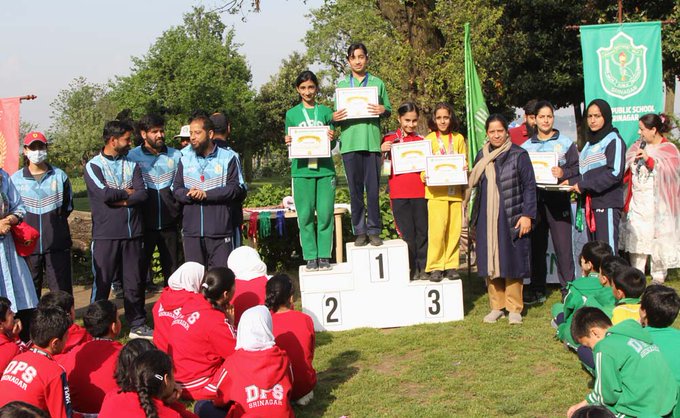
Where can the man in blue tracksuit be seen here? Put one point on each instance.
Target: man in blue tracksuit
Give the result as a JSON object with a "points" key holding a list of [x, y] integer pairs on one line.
{"points": [[207, 182], [116, 191], [161, 212]]}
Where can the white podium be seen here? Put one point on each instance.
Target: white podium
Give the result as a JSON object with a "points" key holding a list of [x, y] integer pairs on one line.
{"points": [[372, 289]]}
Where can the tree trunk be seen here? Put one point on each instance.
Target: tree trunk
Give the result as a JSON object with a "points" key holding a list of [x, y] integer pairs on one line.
{"points": [[669, 107], [580, 126]]}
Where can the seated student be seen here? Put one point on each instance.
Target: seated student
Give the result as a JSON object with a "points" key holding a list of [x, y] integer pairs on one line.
{"points": [[183, 285], [627, 286], [581, 289], [659, 307], [76, 334], [610, 267], [90, 367], [256, 380], [201, 340], [593, 411], [152, 384], [631, 376], [10, 344], [18, 409], [251, 279], [34, 376], [294, 333]]}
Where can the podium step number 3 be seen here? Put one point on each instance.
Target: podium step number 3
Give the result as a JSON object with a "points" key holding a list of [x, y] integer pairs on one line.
{"points": [[373, 290]]}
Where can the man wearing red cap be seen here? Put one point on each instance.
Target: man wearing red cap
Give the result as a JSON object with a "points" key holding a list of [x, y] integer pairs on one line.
{"points": [[46, 193]]}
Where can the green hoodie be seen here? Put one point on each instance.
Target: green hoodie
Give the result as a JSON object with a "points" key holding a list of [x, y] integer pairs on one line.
{"points": [[632, 377]]}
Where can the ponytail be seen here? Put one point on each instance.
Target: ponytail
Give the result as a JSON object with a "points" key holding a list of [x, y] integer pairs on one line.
{"points": [[216, 281], [149, 370], [279, 291]]}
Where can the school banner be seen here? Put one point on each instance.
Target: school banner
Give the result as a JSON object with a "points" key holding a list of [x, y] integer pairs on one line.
{"points": [[9, 134], [622, 65]]}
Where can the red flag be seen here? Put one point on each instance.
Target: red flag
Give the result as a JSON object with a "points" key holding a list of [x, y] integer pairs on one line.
{"points": [[9, 134]]}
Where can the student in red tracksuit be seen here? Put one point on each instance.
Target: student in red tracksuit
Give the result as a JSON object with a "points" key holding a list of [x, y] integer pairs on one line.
{"points": [[203, 338], [10, 344], [257, 378], [90, 367], [407, 194], [183, 285], [294, 333], [251, 279], [76, 334], [34, 377], [152, 385]]}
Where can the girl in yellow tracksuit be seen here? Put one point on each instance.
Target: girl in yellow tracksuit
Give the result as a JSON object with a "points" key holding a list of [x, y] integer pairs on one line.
{"points": [[444, 203]]}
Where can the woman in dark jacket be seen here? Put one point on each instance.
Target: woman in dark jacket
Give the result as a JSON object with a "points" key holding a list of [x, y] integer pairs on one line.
{"points": [[504, 208]]}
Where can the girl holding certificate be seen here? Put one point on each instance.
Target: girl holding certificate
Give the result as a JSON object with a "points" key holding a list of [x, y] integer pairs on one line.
{"points": [[313, 178], [407, 195], [444, 202]]}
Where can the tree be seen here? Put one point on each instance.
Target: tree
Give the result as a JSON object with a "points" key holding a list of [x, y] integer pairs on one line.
{"points": [[79, 113]]}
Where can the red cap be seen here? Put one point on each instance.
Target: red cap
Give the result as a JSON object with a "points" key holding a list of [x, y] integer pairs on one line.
{"points": [[31, 137]]}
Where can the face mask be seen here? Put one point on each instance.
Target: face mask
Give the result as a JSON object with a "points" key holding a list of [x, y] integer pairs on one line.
{"points": [[36, 157]]}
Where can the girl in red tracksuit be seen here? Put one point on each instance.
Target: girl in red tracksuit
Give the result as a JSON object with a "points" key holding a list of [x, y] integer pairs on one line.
{"points": [[183, 285], [407, 194], [294, 333], [256, 380], [251, 279], [203, 338]]}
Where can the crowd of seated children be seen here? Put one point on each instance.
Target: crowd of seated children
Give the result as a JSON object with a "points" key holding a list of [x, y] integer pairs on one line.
{"points": [[76, 334], [251, 279], [659, 308]]}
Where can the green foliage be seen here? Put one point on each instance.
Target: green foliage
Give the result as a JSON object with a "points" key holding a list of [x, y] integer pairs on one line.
{"points": [[79, 113], [389, 229]]}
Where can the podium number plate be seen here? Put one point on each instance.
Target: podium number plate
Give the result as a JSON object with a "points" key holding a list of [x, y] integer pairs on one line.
{"points": [[434, 304], [331, 309], [380, 267]]}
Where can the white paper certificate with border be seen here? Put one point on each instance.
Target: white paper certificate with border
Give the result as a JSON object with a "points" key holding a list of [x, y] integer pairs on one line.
{"points": [[543, 162], [356, 101], [409, 157], [445, 170], [309, 142]]}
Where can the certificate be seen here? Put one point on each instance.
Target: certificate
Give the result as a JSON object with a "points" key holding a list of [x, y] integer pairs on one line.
{"points": [[445, 170], [543, 162], [309, 142], [356, 101], [409, 157]]}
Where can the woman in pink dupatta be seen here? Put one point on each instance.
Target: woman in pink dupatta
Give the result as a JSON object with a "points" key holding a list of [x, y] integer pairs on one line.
{"points": [[651, 221]]}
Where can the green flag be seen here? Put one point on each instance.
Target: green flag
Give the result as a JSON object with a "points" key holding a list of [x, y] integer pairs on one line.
{"points": [[476, 110]]}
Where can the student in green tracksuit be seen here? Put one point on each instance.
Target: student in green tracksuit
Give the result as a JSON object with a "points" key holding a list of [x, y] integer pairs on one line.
{"points": [[632, 377], [659, 308], [360, 141], [313, 178]]}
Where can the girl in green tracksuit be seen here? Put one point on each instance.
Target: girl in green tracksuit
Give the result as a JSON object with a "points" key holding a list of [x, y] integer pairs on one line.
{"points": [[313, 178]]}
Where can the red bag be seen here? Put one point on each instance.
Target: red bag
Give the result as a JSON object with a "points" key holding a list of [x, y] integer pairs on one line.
{"points": [[25, 238]]}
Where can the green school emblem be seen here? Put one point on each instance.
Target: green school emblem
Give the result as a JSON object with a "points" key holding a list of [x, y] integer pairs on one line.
{"points": [[623, 66]]}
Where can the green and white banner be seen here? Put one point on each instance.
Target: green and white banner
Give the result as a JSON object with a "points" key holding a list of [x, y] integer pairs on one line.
{"points": [[622, 65]]}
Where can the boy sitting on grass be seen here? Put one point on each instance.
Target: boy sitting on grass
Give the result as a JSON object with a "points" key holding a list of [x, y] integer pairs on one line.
{"points": [[659, 307], [627, 287], [10, 344], [76, 334], [610, 267], [632, 378], [582, 289]]}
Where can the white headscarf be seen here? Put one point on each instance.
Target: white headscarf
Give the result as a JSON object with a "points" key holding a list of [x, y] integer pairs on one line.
{"points": [[255, 330], [187, 277], [246, 263]]}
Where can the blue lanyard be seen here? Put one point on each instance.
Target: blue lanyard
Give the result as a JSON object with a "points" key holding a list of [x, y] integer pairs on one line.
{"points": [[364, 82]]}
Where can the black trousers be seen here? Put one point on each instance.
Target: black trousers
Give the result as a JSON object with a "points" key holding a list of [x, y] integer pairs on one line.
{"points": [[607, 227], [167, 241], [554, 217], [122, 259], [210, 252], [55, 266], [410, 215], [362, 169]]}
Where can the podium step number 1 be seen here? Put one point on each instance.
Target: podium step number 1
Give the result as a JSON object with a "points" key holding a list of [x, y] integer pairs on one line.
{"points": [[372, 289]]}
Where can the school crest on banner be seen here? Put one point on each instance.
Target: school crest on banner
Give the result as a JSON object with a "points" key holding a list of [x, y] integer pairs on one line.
{"points": [[623, 66]]}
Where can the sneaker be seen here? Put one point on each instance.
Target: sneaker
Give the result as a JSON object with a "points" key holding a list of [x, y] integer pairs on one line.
{"points": [[514, 318], [361, 240], [312, 265], [141, 332], [118, 292], [325, 264], [493, 316], [153, 288], [305, 400], [436, 276], [375, 240], [423, 275], [451, 274], [533, 297]]}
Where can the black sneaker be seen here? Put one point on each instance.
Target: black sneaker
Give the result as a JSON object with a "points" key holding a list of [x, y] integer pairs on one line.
{"points": [[436, 276], [312, 265], [451, 274], [324, 264], [423, 275], [533, 297], [118, 292], [143, 331], [361, 240], [375, 240], [153, 288]]}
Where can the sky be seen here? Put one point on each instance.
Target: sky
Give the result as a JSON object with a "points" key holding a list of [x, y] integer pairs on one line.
{"points": [[54, 42]]}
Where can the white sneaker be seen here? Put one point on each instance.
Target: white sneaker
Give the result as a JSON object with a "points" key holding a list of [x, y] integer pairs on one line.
{"points": [[141, 332], [305, 399], [514, 318], [493, 316]]}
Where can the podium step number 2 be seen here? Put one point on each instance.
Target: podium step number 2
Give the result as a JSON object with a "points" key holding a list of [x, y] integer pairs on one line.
{"points": [[372, 289]]}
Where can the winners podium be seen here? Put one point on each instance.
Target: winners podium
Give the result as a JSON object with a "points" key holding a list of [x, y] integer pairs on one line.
{"points": [[372, 289]]}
